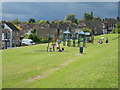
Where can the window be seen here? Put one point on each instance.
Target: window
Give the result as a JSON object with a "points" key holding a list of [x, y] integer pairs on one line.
{"points": [[17, 33], [5, 35], [31, 41]]}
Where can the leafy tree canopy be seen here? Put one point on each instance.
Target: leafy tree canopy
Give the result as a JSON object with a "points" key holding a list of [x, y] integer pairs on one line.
{"points": [[16, 21], [31, 20], [70, 17], [86, 30], [117, 28], [88, 16]]}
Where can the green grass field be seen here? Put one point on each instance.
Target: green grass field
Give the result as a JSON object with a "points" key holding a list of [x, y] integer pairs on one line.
{"points": [[27, 67]]}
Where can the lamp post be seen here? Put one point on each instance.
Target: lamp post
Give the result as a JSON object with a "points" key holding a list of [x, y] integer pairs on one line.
{"points": [[81, 38]]}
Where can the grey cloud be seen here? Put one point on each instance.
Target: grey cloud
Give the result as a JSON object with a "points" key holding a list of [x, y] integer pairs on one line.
{"points": [[55, 10]]}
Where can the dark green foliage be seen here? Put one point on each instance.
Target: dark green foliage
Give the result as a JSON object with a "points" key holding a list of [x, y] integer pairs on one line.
{"points": [[44, 40], [91, 14], [25, 36], [16, 21], [118, 25], [34, 31], [76, 21], [88, 16], [70, 17], [86, 30], [33, 37], [31, 20], [116, 29], [48, 22]]}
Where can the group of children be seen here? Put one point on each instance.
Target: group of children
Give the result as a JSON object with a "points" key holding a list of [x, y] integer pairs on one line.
{"points": [[101, 40], [56, 48]]}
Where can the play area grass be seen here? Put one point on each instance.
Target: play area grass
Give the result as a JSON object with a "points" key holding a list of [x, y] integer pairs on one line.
{"points": [[33, 67]]}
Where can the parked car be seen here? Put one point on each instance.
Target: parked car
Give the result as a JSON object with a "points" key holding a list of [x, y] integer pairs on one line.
{"points": [[27, 42]]}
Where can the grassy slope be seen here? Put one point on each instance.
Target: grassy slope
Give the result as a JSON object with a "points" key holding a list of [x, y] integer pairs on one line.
{"points": [[96, 68]]}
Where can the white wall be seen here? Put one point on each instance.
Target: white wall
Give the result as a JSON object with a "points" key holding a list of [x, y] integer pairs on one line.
{"points": [[6, 27]]}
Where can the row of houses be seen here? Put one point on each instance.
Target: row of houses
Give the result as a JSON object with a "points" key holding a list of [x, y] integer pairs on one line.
{"points": [[11, 35]]}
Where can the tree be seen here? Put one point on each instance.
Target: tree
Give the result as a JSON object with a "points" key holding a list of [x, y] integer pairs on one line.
{"points": [[118, 25], [70, 17], [48, 22], [34, 31], [87, 30], [56, 22], [16, 21], [91, 14], [76, 21], [33, 37], [88, 16], [31, 20], [117, 28]]}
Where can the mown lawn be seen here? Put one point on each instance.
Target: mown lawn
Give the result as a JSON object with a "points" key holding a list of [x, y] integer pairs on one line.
{"points": [[96, 68]]}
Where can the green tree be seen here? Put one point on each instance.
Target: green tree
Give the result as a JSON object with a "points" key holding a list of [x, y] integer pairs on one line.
{"points": [[117, 28], [48, 22], [88, 16], [16, 21], [31, 20], [87, 30], [91, 14], [56, 22], [118, 25], [33, 37], [70, 17], [34, 31]]}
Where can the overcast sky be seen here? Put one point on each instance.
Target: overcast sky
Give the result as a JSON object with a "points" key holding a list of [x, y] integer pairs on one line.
{"points": [[59, 0], [56, 10]]}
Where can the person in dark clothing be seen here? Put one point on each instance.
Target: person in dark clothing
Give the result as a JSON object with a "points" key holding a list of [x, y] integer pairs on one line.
{"points": [[106, 40], [62, 49]]}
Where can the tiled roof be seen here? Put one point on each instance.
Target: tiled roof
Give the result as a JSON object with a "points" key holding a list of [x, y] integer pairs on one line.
{"points": [[12, 27]]}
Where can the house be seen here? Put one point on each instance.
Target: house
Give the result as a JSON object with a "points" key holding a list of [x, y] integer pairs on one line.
{"points": [[6, 42], [10, 35], [25, 29], [95, 25], [0, 35], [98, 25], [109, 24]]}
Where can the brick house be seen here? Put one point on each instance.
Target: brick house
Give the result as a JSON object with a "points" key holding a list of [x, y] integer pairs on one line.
{"points": [[95, 25], [109, 24]]}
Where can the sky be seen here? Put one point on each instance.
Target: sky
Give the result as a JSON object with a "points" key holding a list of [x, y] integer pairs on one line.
{"points": [[56, 10]]}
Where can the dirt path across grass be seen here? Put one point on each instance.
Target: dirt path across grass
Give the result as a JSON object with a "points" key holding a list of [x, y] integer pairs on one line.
{"points": [[47, 73]]}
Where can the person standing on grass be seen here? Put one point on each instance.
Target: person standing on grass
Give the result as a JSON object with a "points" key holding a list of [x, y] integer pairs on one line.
{"points": [[59, 50], [51, 49], [106, 40], [54, 47], [62, 49], [100, 41]]}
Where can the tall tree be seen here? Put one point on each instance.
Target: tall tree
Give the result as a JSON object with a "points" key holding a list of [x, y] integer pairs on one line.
{"points": [[31, 20], [117, 28], [88, 16], [91, 14], [70, 17]]}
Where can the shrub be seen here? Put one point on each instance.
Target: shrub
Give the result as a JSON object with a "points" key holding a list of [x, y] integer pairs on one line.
{"points": [[25, 36], [86, 30], [116, 30], [33, 37]]}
